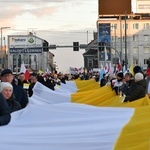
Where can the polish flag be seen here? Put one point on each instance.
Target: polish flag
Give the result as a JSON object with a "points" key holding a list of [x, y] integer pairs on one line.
{"points": [[25, 71], [119, 66], [111, 70]]}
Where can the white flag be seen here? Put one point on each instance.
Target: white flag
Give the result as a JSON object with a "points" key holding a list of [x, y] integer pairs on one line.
{"points": [[105, 51]]}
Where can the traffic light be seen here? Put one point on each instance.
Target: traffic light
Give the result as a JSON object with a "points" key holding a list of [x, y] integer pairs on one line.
{"points": [[101, 46], [45, 46], [75, 46]]}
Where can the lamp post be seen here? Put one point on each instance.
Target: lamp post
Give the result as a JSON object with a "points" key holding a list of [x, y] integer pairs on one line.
{"points": [[120, 39], [2, 44], [115, 38], [125, 41]]}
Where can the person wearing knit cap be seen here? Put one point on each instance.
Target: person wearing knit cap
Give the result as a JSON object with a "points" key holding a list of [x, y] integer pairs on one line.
{"points": [[138, 76], [5, 116], [136, 69], [139, 90], [19, 92], [7, 91]]}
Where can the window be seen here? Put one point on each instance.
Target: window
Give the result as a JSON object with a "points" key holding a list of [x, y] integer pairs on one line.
{"points": [[146, 61], [90, 63], [135, 61], [123, 38], [123, 51], [114, 38], [146, 26], [123, 26], [146, 37], [146, 50], [135, 26], [113, 51], [135, 38], [114, 26], [135, 50]]}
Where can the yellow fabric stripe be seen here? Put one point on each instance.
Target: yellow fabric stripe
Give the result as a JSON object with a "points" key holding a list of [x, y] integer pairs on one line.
{"points": [[136, 134], [86, 85], [89, 92]]}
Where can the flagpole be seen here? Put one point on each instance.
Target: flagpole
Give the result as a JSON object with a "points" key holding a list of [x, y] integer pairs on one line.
{"points": [[104, 54]]}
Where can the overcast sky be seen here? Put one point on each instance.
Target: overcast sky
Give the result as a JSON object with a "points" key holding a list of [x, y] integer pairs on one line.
{"points": [[60, 22]]}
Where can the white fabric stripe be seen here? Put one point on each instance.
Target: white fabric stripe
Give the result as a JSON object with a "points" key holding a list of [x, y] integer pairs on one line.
{"points": [[60, 95], [63, 126]]}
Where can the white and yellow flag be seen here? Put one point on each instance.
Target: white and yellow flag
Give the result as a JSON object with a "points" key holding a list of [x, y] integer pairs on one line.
{"points": [[78, 116]]}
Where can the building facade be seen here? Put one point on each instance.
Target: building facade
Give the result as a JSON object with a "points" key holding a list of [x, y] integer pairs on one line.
{"points": [[130, 40], [30, 50]]}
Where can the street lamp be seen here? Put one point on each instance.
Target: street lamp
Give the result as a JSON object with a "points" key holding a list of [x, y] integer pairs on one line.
{"points": [[126, 61], [2, 43]]}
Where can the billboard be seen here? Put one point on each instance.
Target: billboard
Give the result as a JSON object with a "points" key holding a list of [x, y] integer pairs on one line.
{"points": [[104, 40], [142, 6], [111, 7], [24, 44]]}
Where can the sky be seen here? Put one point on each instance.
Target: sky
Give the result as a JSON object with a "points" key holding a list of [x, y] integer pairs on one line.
{"points": [[60, 22]]}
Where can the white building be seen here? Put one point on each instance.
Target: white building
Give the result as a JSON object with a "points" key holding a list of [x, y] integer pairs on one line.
{"points": [[30, 50], [137, 35]]}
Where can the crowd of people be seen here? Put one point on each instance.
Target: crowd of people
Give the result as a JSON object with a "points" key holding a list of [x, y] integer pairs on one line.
{"points": [[131, 86], [14, 94], [15, 90]]}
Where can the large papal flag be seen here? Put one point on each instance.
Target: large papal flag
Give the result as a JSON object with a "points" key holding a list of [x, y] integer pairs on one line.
{"points": [[78, 115]]}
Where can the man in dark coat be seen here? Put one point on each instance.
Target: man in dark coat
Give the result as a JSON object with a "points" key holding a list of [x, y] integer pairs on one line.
{"points": [[139, 90], [103, 80], [136, 69], [4, 111], [20, 94], [21, 79], [33, 79]]}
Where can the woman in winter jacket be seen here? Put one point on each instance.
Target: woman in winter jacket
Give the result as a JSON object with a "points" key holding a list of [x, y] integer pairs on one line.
{"points": [[7, 91], [4, 111]]}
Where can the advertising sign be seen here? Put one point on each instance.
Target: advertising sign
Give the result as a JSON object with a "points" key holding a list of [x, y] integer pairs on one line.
{"points": [[24, 44], [111, 7], [104, 40], [143, 6], [104, 33]]}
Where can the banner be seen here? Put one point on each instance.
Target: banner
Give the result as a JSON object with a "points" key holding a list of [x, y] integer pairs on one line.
{"points": [[104, 40]]}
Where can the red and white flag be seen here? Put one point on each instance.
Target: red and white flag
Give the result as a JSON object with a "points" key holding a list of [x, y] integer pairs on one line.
{"points": [[119, 68], [25, 71]]}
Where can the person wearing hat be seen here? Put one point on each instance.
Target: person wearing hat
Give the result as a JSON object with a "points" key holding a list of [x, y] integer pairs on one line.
{"points": [[20, 94], [33, 79], [136, 69], [5, 116], [7, 91], [139, 90]]}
